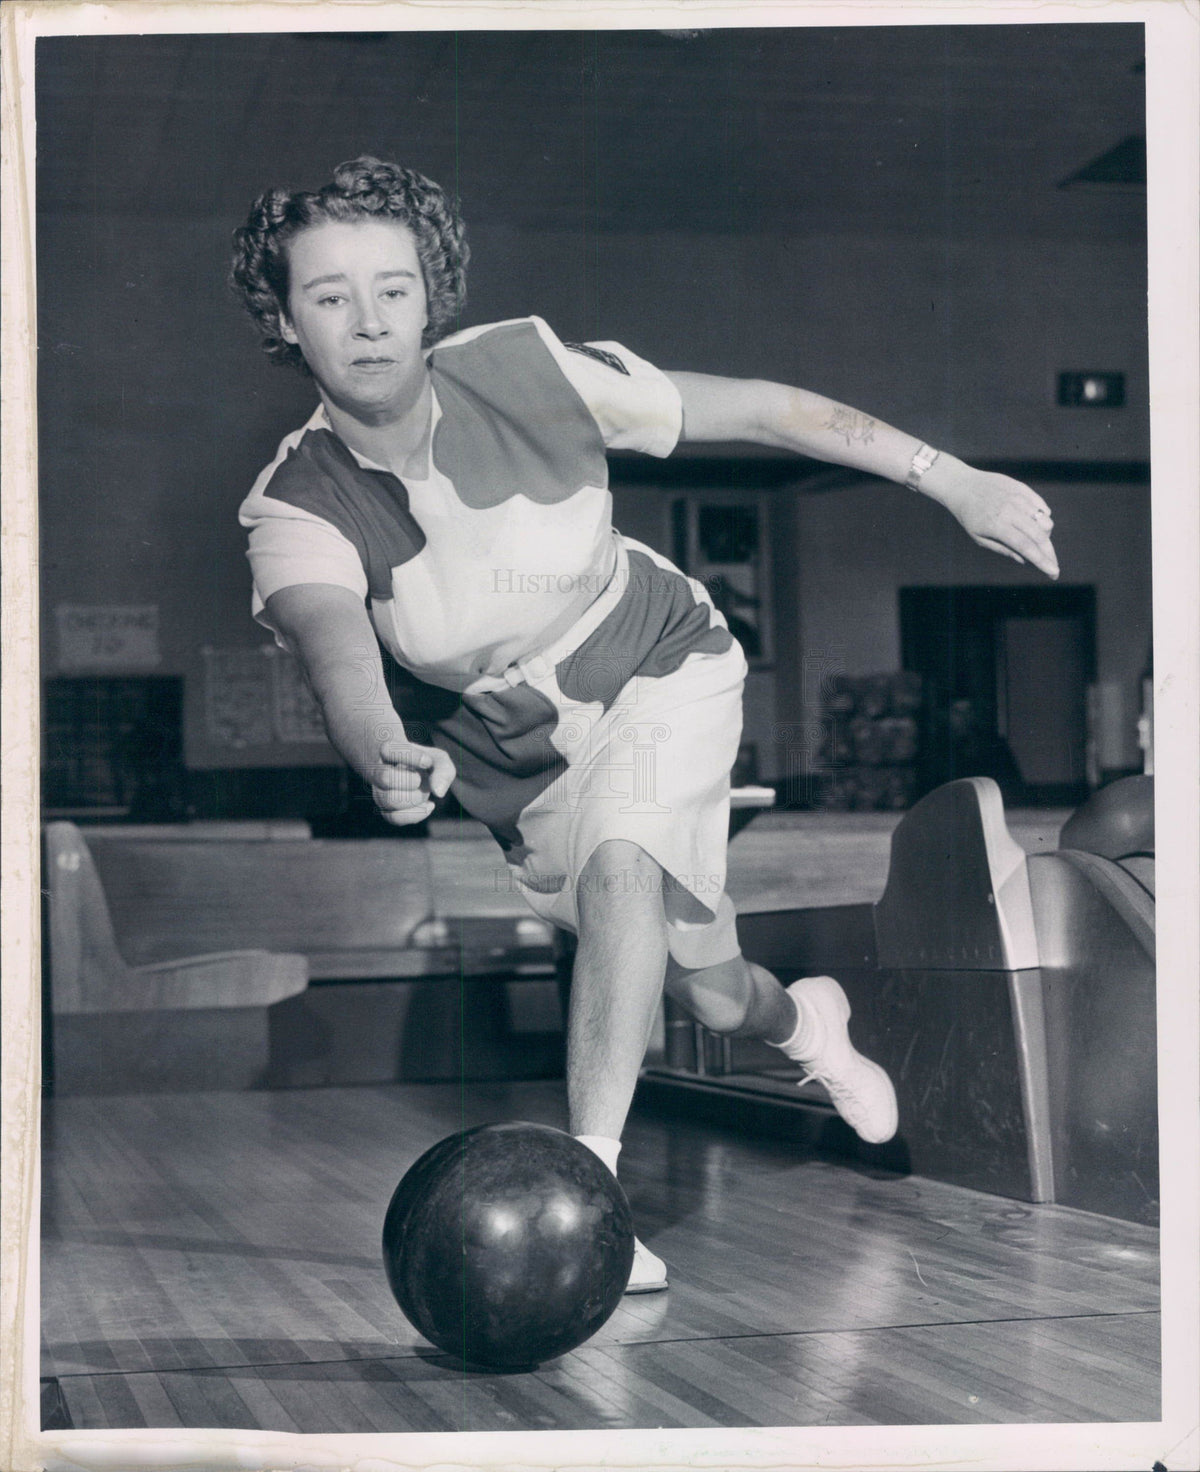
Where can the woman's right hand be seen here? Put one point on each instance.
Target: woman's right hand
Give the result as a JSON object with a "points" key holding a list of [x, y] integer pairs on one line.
{"points": [[329, 628], [406, 780]]}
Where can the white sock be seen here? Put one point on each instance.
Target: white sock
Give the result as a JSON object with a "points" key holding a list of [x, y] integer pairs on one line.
{"points": [[799, 1046], [607, 1149]]}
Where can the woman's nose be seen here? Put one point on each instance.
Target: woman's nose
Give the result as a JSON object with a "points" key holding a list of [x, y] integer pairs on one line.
{"points": [[368, 322]]}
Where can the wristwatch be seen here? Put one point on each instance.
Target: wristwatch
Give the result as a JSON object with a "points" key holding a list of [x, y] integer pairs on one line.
{"points": [[921, 462]]}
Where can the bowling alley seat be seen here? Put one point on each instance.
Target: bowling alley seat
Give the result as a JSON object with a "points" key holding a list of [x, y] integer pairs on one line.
{"points": [[197, 1021], [408, 978]]}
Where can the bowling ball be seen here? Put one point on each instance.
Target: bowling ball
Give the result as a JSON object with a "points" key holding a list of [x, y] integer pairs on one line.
{"points": [[508, 1245], [1115, 822]]}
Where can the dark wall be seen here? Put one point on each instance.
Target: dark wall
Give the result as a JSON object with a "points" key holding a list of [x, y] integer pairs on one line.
{"points": [[873, 214]]}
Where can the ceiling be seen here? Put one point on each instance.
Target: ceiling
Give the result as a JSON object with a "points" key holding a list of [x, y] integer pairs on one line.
{"points": [[956, 128]]}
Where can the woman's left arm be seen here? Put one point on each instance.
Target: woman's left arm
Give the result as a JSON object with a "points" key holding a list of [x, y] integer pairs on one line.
{"points": [[998, 512]]}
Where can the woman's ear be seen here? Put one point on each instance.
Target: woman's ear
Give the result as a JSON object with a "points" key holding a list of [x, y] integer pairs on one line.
{"points": [[286, 330]]}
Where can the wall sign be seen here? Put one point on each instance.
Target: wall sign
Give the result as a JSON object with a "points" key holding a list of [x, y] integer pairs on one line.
{"points": [[256, 697], [237, 698], [107, 636], [294, 709]]}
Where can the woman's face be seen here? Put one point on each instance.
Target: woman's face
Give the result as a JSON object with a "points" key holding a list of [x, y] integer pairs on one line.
{"points": [[356, 309]]}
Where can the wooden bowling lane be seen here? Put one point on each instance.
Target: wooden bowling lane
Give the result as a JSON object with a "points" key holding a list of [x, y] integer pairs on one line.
{"points": [[213, 1260]]}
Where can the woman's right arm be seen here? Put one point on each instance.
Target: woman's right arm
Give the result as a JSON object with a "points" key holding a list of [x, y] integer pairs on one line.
{"points": [[330, 631]]}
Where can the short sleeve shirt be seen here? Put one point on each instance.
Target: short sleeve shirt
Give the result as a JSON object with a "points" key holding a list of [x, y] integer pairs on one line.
{"points": [[508, 538]]}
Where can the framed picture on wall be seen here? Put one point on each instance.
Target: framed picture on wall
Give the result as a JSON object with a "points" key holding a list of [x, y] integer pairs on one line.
{"points": [[719, 538]]}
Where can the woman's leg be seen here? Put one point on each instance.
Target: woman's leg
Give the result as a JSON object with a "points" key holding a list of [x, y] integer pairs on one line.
{"points": [[616, 984], [807, 1021], [735, 998]]}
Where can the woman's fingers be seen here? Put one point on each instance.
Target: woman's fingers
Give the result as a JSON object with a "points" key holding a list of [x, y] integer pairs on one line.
{"points": [[403, 817], [409, 778], [1021, 523], [1027, 548], [1030, 537], [1034, 503], [400, 809], [406, 754], [400, 786], [993, 546], [442, 773]]}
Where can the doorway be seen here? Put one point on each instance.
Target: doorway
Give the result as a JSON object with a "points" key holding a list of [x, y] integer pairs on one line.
{"points": [[1006, 673]]}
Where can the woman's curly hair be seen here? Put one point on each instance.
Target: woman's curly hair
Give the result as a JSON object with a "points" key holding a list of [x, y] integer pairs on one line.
{"points": [[363, 189]]}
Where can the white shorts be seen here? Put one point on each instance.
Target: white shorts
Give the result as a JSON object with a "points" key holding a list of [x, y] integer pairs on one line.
{"points": [[625, 728]]}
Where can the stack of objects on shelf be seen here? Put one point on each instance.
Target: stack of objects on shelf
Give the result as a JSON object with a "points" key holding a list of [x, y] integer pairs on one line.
{"points": [[870, 743]]}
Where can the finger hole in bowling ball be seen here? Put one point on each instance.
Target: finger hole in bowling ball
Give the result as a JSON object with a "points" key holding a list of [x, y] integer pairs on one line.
{"points": [[508, 1245]]}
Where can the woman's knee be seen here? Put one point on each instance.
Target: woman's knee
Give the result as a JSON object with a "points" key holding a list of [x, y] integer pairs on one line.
{"points": [[718, 996], [619, 872]]}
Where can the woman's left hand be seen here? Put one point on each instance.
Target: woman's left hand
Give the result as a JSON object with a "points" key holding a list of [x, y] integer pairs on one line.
{"points": [[997, 512]]}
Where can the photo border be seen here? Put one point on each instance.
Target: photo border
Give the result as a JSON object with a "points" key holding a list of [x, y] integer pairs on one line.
{"points": [[1173, 140]]}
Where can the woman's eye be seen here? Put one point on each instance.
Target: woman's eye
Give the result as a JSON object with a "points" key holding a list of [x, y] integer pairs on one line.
{"points": [[395, 291], [328, 301]]}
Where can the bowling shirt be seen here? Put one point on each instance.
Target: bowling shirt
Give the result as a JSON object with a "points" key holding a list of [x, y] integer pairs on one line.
{"points": [[596, 690], [508, 538]]}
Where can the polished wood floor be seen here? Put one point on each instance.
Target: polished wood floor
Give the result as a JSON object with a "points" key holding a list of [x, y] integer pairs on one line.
{"points": [[213, 1260]]}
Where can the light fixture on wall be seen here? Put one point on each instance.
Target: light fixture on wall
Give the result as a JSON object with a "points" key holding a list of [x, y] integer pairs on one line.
{"points": [[1091, 390]]}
